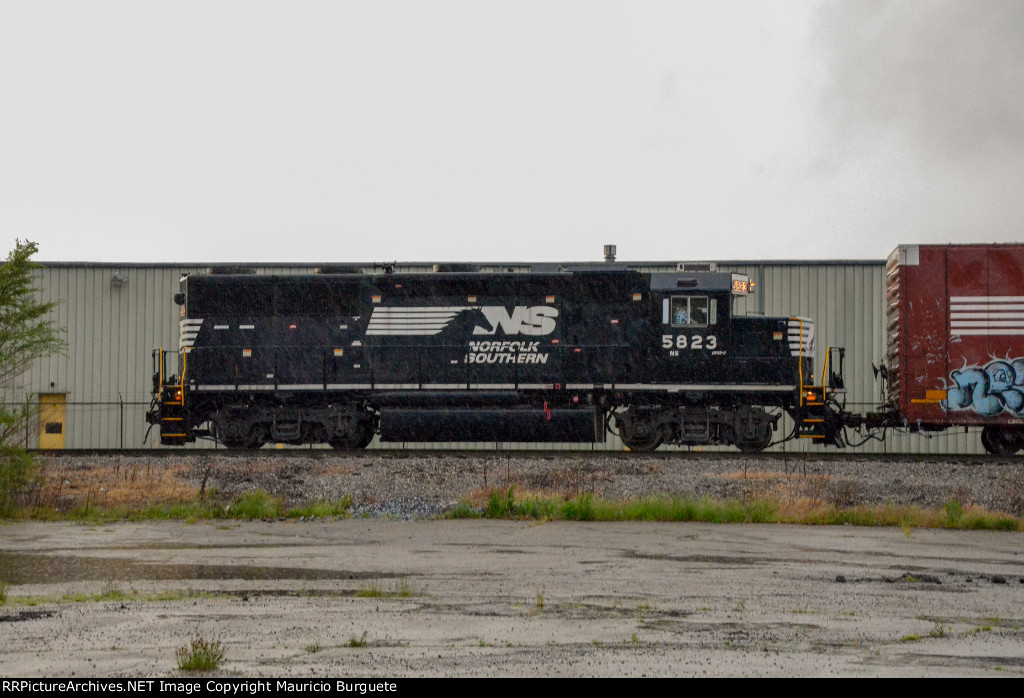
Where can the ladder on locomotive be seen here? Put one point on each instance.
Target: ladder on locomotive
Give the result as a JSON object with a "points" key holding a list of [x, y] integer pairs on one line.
{"points": [[816, 417]]}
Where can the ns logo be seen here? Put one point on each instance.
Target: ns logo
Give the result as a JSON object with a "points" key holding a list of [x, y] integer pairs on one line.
{"points": [[483, 320], [534, 321]]}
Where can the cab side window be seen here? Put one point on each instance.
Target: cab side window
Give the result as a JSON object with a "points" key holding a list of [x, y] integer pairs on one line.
{"points": [[693, 311]]}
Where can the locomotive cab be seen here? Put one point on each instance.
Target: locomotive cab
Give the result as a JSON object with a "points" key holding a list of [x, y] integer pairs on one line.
{"points": [[693, 329], [717, 377], [709, 383]]}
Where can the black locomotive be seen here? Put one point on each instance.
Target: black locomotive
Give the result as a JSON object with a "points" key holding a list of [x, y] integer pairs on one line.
{"points": [[559, 355]]}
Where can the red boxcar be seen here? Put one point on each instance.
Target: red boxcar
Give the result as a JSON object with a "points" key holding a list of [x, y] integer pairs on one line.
{"points": [[955, 326]]}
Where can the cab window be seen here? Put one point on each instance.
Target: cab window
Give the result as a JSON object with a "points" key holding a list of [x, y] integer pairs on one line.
{"points": [[693, 311]]}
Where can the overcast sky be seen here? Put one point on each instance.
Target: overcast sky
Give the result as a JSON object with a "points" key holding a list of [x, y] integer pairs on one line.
{"points": [[443, 130]]}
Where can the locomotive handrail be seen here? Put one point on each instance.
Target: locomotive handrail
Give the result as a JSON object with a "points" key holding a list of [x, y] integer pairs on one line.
{"points": [[184, 370], [800, 361], [180, 385]]}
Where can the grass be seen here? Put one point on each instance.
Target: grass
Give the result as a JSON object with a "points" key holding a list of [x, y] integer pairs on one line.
{"points": [[358, 641], [136, 493], [248, 506], [200, 655], [129, 491], [937, 631], [586, 507], [508, 504], [540, 599], [111, 593], [3, 592], [403, 590], [256, 505], [954, 513], [322, 509]]}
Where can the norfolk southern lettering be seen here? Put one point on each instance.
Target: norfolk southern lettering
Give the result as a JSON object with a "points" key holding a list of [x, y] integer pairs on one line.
{"points": [[505, 353]]}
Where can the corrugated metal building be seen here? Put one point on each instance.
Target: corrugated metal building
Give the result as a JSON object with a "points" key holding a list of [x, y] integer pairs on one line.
{"points": [[115, 314]]}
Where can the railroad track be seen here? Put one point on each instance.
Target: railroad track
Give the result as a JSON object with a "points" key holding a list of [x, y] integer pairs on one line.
{"points": [[689, 457]]}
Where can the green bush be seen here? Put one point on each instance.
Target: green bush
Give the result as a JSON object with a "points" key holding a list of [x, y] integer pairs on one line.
{"points": [[19, 475], [501, 504]]}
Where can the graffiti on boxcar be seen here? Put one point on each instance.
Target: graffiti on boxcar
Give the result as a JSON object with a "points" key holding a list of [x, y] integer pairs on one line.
{"points": [[988, 390]]}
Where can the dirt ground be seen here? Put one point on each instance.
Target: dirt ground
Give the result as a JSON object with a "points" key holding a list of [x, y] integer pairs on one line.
{"points": [[387, 598]]}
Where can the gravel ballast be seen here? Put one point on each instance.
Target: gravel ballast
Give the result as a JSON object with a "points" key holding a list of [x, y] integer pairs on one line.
{"points": [[409, 486]]}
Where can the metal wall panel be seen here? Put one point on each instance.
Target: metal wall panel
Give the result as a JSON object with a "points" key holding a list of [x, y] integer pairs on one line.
{"points": [[111, 330]]}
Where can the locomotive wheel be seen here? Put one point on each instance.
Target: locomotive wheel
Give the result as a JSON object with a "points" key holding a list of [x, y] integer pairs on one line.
{"points": [[755, 446], [362, 440], [752, 429], [252, 442], [237, 433], [645, 437], [1001, 441]]}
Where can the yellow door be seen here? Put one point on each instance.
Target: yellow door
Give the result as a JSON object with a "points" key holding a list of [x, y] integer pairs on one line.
{"points": [[51, 420]]}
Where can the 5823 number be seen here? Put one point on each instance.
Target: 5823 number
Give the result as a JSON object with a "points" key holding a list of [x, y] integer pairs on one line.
{"points": [[686, 342]]}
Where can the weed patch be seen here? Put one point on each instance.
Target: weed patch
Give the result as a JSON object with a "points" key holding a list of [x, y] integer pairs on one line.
{"points": [[179, 505], [113, 593], [322, 509], [257, 505], [402, 590], [200, 655], [508, 504], [501, 504], [954, 513]]}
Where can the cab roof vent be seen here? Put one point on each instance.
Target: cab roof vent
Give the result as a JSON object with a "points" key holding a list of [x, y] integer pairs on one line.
{"points": [[697, 266]]}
